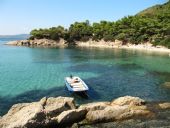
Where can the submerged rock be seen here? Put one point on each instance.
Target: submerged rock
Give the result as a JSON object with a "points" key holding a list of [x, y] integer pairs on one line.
{"points": [[167, 84], [164, 105]]}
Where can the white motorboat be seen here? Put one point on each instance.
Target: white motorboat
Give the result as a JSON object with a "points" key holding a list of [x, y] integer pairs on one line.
{"points": [[75, 84]]}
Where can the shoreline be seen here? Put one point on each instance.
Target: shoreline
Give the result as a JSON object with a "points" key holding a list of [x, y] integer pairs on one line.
{"points": [[52, 112], [141, 47], [98, 44], [62, 111]]}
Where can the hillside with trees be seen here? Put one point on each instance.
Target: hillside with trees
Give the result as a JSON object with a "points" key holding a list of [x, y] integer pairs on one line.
{"points": [[150, 25]]}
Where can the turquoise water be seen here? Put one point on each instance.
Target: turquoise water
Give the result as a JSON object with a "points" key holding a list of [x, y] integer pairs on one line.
{"points": [[28, 74]]}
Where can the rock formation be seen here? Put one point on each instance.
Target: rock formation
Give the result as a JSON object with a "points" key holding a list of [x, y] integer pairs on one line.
{"points": [[167, 84], [36, 114], [164, 105], [62, 111], [128, 100], [38, 42]]}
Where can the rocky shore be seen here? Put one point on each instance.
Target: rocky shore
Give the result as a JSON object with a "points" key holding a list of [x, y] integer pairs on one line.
{"points": [[102, 44], [62, 112], [119, 44], [38, 43]]}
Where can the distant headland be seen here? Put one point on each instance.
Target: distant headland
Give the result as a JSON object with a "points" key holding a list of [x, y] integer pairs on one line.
{"points": [[15, 36]]}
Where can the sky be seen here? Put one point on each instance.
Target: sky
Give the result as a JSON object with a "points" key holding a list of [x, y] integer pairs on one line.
{"points": [[21, 16]]}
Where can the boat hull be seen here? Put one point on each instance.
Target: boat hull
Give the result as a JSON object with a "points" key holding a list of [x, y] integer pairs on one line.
{"points": [[70, 88]]}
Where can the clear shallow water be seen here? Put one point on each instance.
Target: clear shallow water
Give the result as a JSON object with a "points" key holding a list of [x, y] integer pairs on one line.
{"points": [[28, 74]]}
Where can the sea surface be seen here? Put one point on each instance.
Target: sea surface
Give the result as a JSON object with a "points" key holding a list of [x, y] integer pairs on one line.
{"points": [[28, 74]]}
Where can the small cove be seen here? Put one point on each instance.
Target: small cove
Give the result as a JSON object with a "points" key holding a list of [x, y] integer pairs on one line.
{"points": [[28, 74]]}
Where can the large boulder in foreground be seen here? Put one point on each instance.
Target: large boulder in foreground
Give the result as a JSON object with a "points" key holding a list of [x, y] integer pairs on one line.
{"points": [[61, 111], [28, 115], [112, 113], [128, 100], [119, 109], [36, 114]]}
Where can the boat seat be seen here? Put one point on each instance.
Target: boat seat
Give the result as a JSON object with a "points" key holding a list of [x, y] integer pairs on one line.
{"points": [[77, 84], [73, 80]]}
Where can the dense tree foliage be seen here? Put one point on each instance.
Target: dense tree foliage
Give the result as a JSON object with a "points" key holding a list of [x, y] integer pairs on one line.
{"points": [[152, 24], [80, 31], [53, 33]]}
